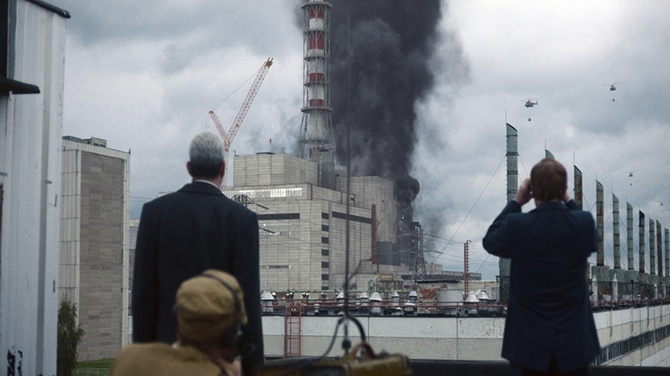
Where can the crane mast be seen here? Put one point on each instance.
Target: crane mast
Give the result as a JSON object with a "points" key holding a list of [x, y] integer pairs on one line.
{"points": [[237, 122]]}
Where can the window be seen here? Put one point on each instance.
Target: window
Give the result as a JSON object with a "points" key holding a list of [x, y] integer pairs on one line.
{"points": [[7, 84]]}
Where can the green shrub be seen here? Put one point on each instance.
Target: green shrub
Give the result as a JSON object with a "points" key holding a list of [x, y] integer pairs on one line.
{"points": [[69, 337]]}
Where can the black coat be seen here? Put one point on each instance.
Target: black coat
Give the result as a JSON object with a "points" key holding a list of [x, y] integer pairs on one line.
{"points": [[548, 310], [181, 235]]}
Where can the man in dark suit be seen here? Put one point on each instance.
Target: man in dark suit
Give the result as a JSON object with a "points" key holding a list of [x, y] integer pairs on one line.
{"points": [[186, 232], [549, 328]]}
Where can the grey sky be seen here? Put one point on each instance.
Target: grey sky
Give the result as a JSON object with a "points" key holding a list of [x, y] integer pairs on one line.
{"points": [[143, 76]]}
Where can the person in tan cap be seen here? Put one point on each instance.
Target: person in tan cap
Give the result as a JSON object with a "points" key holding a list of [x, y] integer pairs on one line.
{"points": [[210, 315]]}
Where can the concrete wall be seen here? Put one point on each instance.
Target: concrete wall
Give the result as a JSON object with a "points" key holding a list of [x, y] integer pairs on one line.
{"points": [[620, 325], [426, 338], [466, 338], [94, 265], [273, 169], [308, 252]]}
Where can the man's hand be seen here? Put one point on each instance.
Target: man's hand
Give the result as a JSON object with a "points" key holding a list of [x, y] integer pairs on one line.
{"points": [[523, 195], [231, 369]]}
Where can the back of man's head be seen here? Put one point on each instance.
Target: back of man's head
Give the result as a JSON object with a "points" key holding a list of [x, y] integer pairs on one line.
{"points": [[210, 309], [548, 180], [205, 155]]}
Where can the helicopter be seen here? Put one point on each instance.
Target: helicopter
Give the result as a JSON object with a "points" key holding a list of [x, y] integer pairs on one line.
{"points": [[613, 87], [530, 103]]}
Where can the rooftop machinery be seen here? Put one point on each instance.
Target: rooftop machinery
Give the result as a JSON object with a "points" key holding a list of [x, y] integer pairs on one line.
{"points": [[230, 135]]}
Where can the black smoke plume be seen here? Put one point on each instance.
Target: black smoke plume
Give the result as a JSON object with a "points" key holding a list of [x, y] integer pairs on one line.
{"points": [[379, 69], [380, 51]]}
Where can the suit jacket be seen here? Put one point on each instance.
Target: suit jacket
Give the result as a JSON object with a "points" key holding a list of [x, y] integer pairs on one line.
{"points": [[548, 312], [181, 235]]}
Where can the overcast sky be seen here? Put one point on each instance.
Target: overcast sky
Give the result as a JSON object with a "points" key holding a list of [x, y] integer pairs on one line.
{"points": [[143, 75]]}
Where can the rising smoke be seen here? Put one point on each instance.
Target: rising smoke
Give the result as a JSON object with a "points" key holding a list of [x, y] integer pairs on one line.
{"points": [[383, 59], [380, 53]]}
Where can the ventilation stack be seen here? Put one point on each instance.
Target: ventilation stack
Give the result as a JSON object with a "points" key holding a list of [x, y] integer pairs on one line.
{"points": [[629, 237], [654, 279], [631, 274], [316, 142], [578, 200], [600, 272], [667, 261], [578, 187], [615, 232], [640, 224], [617, 274], [600, 224], [643, 277], [652, 247], [512, 188], [659, 248]]}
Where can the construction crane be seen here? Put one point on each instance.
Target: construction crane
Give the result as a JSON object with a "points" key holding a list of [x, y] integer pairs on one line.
{"points": [[230, 135]]}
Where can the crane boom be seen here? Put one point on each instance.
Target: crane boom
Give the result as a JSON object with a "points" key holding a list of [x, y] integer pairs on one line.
{"points": [[218, 124], [249, 99], [237, 122]]}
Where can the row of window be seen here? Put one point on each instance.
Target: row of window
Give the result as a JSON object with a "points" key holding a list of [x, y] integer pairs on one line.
{"points": [[277, 217], [325, 277], [266, 193]]}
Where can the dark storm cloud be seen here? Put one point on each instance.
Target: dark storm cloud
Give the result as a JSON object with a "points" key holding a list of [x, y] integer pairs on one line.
{"points": [[207, 25]]}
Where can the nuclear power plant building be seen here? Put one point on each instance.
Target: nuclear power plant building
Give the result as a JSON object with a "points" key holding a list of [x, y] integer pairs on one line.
{"points": [[303, 226]]}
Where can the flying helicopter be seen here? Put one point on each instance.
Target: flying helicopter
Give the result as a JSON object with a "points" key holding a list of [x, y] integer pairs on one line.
{"points": [[613, 87], [530, 103]]}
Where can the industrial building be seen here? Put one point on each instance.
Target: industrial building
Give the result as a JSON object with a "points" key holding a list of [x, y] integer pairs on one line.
{"points": [[303, 226], [312, 214], [94, 257], [630, 306]]}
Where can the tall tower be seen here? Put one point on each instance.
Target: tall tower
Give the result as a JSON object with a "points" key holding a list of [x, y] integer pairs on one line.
{"points": [[316, 141], [504, 264]]}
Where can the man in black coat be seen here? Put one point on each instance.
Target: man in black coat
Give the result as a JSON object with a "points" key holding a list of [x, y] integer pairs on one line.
{"points": [[549, 327], [187, 232]]}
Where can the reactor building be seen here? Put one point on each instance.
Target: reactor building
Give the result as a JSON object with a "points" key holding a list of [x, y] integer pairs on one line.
{"points": [[310, 216]]}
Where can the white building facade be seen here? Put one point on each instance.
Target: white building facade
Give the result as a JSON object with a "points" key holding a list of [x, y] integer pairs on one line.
{"points": [[303, 227], [32, 54]]}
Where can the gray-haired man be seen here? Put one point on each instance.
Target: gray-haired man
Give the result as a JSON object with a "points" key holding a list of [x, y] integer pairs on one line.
{"points": [[186, 232]]}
